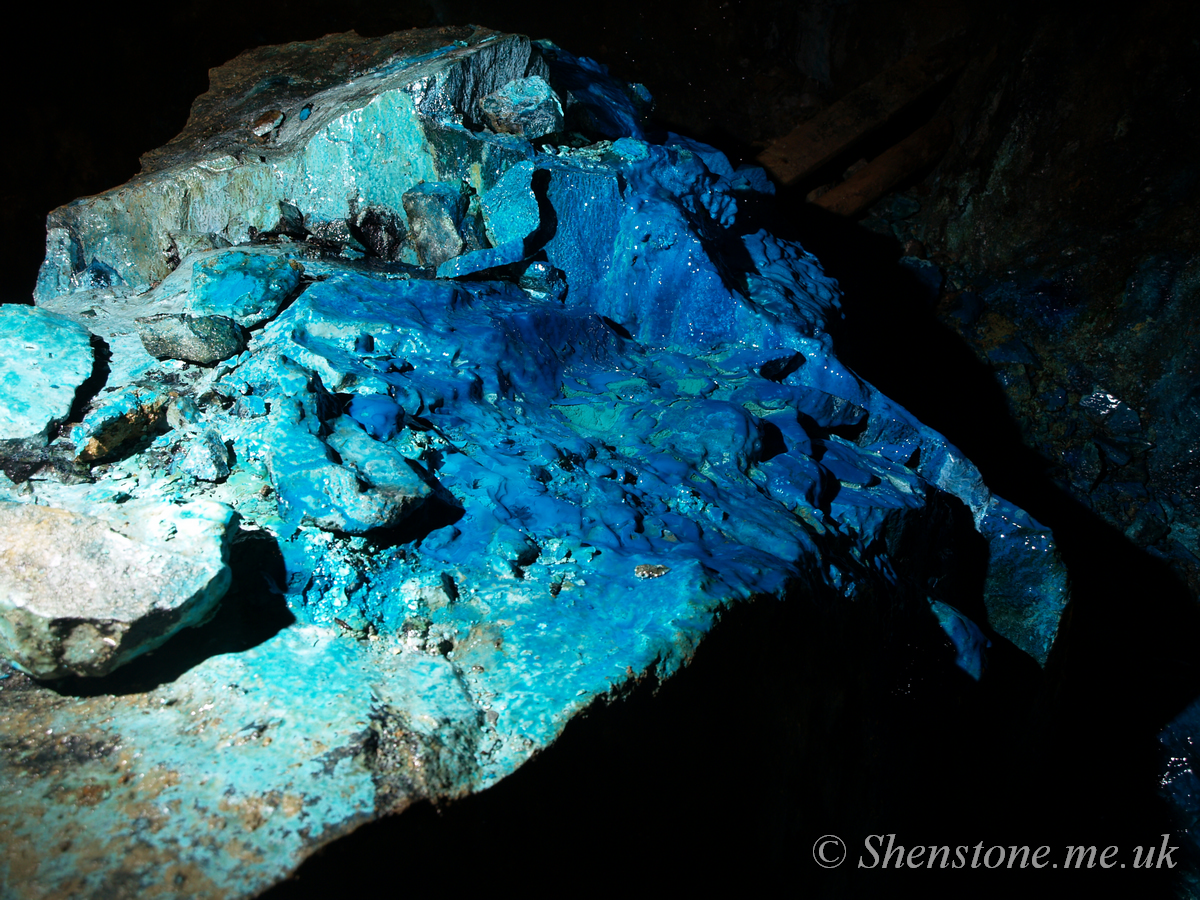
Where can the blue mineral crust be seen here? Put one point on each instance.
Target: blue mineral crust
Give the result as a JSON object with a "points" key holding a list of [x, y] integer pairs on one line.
{"points": [[571, 411]]}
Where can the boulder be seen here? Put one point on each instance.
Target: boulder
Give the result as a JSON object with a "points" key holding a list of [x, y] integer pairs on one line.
{"points": [[195, 339], [435, 216], [478, 496]]}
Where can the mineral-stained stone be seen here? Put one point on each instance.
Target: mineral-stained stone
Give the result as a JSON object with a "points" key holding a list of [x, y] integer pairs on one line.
{"points": [[379, 415], [435, 215], [118, 421], [510, 208], [246, 288], [182, 244], [197, 339], [81, 595], [484, 499], [970, 644], [206, 457], [526, 107], [45, 359], [345, 481], [381, 231]]}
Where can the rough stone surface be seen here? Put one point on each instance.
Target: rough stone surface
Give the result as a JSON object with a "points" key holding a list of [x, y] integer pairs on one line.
{"points": [[510, 208], [46, 358], [197, 339], [435, 214], [526, 107], [221, 179], [474, 505], [1067, 232], [206, 457], [81, 595], [381, 231], [118, 422], [248, 289]]}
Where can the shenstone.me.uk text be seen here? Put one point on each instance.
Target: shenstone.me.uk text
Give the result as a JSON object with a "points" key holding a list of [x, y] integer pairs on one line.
{"points": [[882, 851]]}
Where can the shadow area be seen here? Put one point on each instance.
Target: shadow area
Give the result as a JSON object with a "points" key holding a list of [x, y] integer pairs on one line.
{"points": [[253, 611], [1126, 661], [791, 721]]}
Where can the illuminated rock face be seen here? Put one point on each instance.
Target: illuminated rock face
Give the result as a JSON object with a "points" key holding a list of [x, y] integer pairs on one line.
{"points": [[529, 416], [82, 595], [46, 358]]}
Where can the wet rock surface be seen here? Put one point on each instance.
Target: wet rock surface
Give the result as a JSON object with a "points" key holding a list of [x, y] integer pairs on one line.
{"points": [[526, 107], [248, 289], [470, 505]]}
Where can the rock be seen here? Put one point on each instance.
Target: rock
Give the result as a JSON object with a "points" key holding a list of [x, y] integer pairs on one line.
{"points": [[1024, 603], [197, 339], [81, 595], [182, 244], [477, 262], [435, 214], [510, 209], [1178, 781], [46, 358], [119, 422], [252, 407], [182, 413], [480, 495], [970, 644], [266, 123], [542, 280], [595, 102], [1011, 352], [525, 106], [290, 224], [97, 276], [206, 457], [329, 472], [248, 288], [335, 236], [368, 146], [381, 231], [379, 415]]}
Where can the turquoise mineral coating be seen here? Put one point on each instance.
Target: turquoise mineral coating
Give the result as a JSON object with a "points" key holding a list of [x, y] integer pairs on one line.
{"points": [[489, 497], [46, 358], [246, 288], [510, 209], [378, 414], [970, 644]]}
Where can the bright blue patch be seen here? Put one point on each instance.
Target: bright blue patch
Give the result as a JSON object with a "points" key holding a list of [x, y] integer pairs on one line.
{"points": [[970, 644], [379, 415]]}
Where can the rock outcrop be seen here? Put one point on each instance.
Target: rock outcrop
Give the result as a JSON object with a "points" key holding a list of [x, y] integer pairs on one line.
{"points": [[524, 406]]}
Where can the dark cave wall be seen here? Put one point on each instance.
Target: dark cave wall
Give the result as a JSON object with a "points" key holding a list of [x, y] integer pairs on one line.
{"points": [[1066, 216]]}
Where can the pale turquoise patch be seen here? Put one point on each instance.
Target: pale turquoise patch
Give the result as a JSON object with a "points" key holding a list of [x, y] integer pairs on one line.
{"points": [[45, 359], [249, 288]]}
